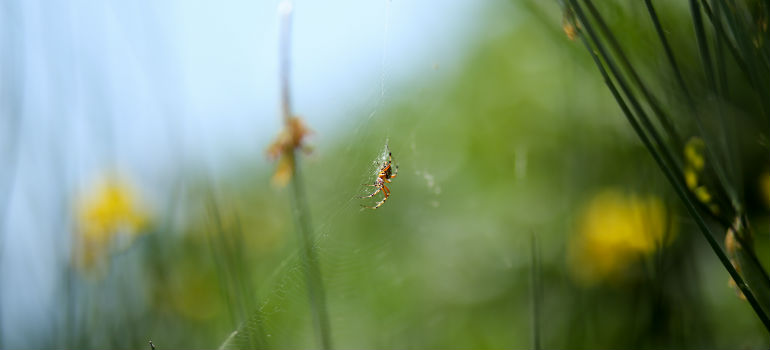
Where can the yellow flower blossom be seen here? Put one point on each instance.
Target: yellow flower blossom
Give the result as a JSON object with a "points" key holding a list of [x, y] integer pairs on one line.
{"points": [[690, 177], [614, 230], [694, 163], [702, 194], [108, 209], [693, 153]]}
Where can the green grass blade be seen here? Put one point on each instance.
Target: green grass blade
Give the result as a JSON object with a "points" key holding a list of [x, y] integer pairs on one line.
{"points": [[700, 38], [646, 125], [301, 211], [663, 118], [667, 48], [673, 179]]}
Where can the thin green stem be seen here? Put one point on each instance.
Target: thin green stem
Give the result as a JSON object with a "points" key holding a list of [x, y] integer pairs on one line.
{"points": [[721, 42], [730, 158], [747, 62], [680, 80], [705, 55], [672, 178], [662, 117], [310, 259], [700, 38], [667, 48], [218, 263], [301, 211], [730, 46], [661, 149]]}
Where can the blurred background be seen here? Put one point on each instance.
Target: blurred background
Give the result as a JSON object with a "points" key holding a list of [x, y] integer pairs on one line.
{"points": [[136, 200]]}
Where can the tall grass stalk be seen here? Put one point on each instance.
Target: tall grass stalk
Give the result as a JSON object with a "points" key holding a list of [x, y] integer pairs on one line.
{"points": [[300, 209], [662, 154], [226, 243]]}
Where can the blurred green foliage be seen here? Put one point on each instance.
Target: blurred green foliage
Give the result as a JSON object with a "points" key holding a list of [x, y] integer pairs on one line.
{"points": [[510, 144]]}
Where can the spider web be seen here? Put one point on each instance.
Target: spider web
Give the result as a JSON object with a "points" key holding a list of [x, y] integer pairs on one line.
{"points": [[364, 254], [357, 266]]}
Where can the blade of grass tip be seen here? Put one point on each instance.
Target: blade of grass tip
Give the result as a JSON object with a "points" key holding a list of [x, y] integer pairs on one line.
{"points": [[663, 118], [678, 187], [301, 212], [535, 293]]}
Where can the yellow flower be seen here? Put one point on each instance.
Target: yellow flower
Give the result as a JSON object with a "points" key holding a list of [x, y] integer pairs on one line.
{"points": [[693, 153], [690, 177], [694, 163], [614, 230], [702, 194], [108, 209]]}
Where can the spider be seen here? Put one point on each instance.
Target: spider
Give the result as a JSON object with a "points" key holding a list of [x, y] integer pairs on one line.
{"points": [[386, 173]]}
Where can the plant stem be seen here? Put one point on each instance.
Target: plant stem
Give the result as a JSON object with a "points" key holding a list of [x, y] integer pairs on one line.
{"points": [[662, 117], [682, 85], [301, 212], [700, 38], [670, 175], [667, 49]]}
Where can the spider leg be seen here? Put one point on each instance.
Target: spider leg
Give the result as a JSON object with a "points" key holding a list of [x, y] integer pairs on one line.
{"points": [[375, 192], [380, 203]]}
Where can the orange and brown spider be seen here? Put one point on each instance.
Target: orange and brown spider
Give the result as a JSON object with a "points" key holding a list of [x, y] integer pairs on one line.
{"points": [[384, 175]]}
